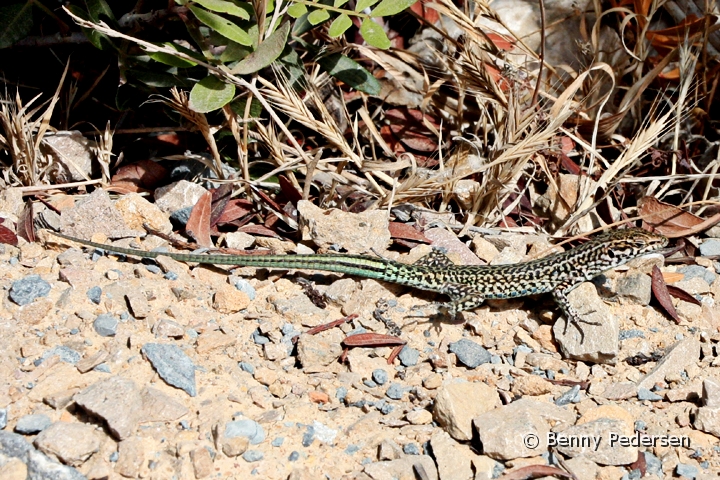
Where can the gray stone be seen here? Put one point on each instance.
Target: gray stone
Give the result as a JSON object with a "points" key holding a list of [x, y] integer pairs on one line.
{"points": [[39, 465], [710, 247], [26, 290], [250, 429], [396, 391], [106, 325], [696, 271], [470, 353], [32, 424], [645, 394], [253, 456], [172, 365], [408, 356], [380, 376], [3, 418], [95, 294], [686, 471], [66, 354]]}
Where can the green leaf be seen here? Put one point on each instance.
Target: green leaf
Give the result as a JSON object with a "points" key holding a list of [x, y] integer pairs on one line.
{"points": [[339, 26], [155, 79], [98, 9], [266, 53], [390, 7], [211, 93], [363, 4], [374, 34], [297, 10], [227, 6], [317, 17], [172, 60], [350, 72], [15, 23], [222, 26], [234, 52]]}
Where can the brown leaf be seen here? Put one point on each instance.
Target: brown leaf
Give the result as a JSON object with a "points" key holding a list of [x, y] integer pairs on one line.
{"points": [[235, 209], [536, 471], [639, 464], [198, 225], [682, 295], [672, 221], [406, 232], [7, 236], [259, 230], [660, 290], [372, 340], [144, 175], [289, 190], [220, 198], [25, 227]]}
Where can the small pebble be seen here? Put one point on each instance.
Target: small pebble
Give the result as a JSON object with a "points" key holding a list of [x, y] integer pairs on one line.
{"points": [[172, 365], [340, 393], [250, 429], [32, 424], [153, 269], [380, 376], [114, 457], [259, 338], [470, 353], [66, 354], [277, 441], [352, 448], [253, 456], [395, 391], [95, 294], [106, 325], [411, 449], [369, 383], [308, 436], [247, 367], [294, 455], [3, 418], [26, 290], [170, 276], [245, 287], [571, 396], [409, 356], [686, 471], [645, 394]]}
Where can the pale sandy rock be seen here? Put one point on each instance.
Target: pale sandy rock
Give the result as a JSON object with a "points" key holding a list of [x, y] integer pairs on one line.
{"points": [[275, 351], [78, 221], [532, 385], [131, 457], [138, 303], [483, 249], [543, 335], [582, 467], [70, 155], [136, 211], [545, 361], [116, 400], [419, 417], [456, 404], [432, 381], [402, 469], [61, 399], [178, 195], [598, 341], [389, 450], [680, 356], [711, 392], [299, 309], [266, 376], [316, 351], [210, 341], [620, 391], [72, 443], [453, 246], [33, 313], [484, 466], [165, 328], [229, 299], [160, 407], [594, 442], [14, 469], [503, 429], [202, 462], [707, 419], [360, 361], [89, 362], [340, 291], [230, 446], [11, 203], [353, 232], [239, 240], [454, 460]]}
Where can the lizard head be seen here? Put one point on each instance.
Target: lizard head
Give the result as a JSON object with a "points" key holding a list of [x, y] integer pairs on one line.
{"points": [[620, 246]]}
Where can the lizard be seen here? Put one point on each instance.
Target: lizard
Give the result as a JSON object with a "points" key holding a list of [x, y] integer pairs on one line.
{"points": [[468, 286]]}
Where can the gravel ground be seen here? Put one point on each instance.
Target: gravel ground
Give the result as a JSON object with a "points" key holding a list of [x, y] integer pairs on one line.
{"points": [[117, 368]]}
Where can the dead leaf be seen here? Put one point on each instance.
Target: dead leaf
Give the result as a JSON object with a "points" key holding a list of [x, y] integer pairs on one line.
{"points": [[220, 198], [198, 226], [660, 291], [25, 227], [672, 221], [536, 471], [682, 295], [404, 231], [7, 236], [235, 209], [144, 175]]}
